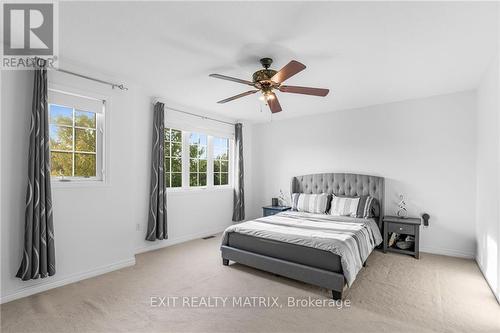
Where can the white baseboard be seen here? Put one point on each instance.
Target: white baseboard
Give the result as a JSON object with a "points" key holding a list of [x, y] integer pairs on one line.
{"points": [[487, 281], [169, 242], [43, 286], [448, 252]]}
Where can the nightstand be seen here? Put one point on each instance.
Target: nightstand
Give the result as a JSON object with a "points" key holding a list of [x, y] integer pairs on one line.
{"points": [[407, 226], [271, 210]]}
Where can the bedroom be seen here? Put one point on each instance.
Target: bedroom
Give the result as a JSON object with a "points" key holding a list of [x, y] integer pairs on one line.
{"points": [[411, 110]]}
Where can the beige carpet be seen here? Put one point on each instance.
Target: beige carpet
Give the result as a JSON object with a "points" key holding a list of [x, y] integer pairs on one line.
{"points": [[394, 293]]}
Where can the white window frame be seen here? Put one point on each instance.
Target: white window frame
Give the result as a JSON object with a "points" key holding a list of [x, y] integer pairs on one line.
{"points": [[229, 162], [102, 132], [186, 156], [182, 157]]}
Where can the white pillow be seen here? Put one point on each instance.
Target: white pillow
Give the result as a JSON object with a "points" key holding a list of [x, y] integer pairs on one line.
{"points": [[342, 206], [310, 203]]}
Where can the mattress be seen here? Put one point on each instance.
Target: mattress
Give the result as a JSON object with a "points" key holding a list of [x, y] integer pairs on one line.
{"points": [[291, 252], [314, 240]]}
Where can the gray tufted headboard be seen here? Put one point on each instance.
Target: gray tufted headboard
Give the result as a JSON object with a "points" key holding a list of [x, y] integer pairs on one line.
{"points": [[341, 184]]}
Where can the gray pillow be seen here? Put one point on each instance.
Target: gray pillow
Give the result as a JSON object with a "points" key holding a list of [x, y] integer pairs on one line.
{"points": [[310, 203]]}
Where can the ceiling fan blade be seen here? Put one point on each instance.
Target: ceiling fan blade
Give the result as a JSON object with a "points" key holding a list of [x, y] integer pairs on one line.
{"points": [[229, 78], [304, 90], [290, 69], [237, 96], [273, 103]]}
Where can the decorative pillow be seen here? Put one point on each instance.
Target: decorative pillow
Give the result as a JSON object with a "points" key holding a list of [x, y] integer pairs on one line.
{"points": [[344, 206], [310, 203], [368, 207]]}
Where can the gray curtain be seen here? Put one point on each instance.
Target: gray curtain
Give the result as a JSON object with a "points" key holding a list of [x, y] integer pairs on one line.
{"points": [[39, 253], [157, 220], [239, 193]]}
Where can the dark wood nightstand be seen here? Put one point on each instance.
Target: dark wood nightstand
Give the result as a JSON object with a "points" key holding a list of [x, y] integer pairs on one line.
{"points": [[271, 210], [407, 226]]}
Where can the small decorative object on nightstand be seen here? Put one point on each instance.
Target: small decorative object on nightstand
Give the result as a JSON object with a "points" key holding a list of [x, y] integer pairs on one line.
{"points": [[271, 210], [402, 211], [281, 199], [408, 229]]}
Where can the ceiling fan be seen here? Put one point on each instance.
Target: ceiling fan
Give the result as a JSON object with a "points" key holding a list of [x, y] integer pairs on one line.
{"points": [[266, 80]]}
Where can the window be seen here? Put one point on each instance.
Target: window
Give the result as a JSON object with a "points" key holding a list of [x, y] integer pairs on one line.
{"points": [[173, 157], [198, 159], [76, 135], [221, 161]]}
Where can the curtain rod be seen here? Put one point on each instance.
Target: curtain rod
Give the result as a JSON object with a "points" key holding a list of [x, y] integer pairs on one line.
{"points": [[113, 85], [197, 115], [158, 99]]}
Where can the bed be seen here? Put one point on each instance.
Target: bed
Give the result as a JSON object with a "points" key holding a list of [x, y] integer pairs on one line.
{"points": [[299, 246]]}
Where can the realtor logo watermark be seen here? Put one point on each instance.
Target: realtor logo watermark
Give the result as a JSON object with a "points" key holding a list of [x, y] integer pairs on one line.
{"points": [[29, 30]]}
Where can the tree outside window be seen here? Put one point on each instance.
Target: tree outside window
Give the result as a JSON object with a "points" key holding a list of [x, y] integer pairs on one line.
{"points": [[173, 157], [197, 159], [73, 142], [221, 161]]}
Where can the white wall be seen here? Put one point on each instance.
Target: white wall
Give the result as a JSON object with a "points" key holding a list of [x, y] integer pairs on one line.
{"points": [[424, 148], [97, 228], [488, 180]]}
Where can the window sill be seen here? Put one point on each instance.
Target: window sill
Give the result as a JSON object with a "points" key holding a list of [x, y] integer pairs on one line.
{"points": [[197, 190], [78, 183]]}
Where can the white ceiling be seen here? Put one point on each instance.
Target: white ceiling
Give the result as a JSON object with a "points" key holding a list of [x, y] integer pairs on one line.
{"points": [[365, 53]]}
